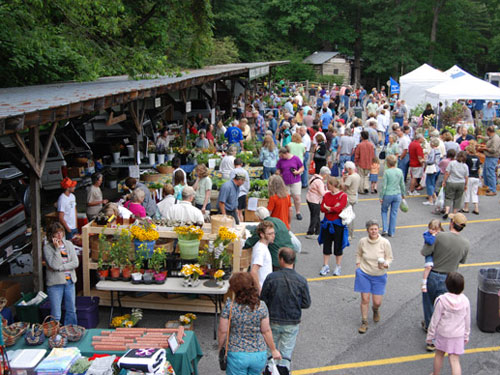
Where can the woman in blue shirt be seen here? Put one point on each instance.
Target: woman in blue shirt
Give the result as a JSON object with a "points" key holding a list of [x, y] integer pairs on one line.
{"points": [[269, 156]]}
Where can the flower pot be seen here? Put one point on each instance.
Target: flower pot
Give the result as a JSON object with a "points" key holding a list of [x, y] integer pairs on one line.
{"points": [[148, 277], [161, 158], [170, 156], [191, 283], [103, 274], [137, 276], [150, 245], [151, 159], [189, 248], [126, 272], [160, 277], [130, 151], [115, 272], [116, 157]]}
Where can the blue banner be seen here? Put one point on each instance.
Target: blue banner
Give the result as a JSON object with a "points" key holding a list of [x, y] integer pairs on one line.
{"points": [[394, 86]]}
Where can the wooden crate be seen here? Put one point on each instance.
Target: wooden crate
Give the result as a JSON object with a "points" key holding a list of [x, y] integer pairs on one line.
{"points": [[245, 259], [250, 215]]}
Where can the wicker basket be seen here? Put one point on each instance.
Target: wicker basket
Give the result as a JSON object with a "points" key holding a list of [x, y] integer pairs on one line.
{"points": [[35, 335], [51, 327], [218, 221], [165, 170], [152, 177], [58, 341], [12, 332], [73, 332]]}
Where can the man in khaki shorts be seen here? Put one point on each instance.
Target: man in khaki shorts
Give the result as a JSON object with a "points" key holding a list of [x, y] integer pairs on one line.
{"points": [[416, 163]]}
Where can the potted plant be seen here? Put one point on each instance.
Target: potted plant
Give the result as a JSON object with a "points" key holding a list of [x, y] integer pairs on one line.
{"points": [[189, 241], [102, 266], [144, 233], [187, 320], [191, 273], [157, 263], [151, 153], [218, 275], [116, 149], [115, 261]]}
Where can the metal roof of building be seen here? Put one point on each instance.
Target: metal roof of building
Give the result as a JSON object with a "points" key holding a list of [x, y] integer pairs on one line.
{"points": [[29, 100], [320, 57]]}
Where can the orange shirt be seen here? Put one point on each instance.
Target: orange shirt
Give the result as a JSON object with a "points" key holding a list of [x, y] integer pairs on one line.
{"points": [[280, 208], [375, 168]]}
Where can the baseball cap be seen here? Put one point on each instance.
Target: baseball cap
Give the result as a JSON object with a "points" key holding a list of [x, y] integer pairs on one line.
{"points": [[68, 183], [458, 219], [240, 176]]}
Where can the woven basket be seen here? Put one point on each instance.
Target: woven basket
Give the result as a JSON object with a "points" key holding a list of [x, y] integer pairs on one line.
{"points": [[57, 341], [218, 221], [35, 335], [51, 327], [12, 332], [72, 331]]}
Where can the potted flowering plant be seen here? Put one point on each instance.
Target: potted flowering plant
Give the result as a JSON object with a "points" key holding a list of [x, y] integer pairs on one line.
{"points": [[144, 233], [102, 266], [157, 263], [189, 241], [218, 275], [191, 273], [187, 320], [216, 255]]}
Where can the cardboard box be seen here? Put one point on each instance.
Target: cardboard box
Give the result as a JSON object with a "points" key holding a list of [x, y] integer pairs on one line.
{"points": [[75, 172], [10, 290]]}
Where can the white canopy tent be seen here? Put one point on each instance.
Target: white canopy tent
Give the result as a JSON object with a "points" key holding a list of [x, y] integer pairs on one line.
{"points": [[465, 86], [414, 84], [455, 71]]}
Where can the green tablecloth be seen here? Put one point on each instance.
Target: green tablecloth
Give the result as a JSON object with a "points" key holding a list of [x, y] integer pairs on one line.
{"points": [[184, 361]]}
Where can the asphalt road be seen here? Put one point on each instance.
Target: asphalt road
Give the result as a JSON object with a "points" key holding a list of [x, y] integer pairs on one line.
{"points": [[329, 343]]}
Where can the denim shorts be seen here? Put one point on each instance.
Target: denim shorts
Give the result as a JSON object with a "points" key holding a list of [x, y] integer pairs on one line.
{"points": [[364, 283]]}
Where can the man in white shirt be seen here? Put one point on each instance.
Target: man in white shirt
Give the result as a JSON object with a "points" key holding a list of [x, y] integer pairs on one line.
{"points": [[168, 201], [184, 213], [244, 189], [262, 264], [306, 141], [404, 157], [66, 208]]}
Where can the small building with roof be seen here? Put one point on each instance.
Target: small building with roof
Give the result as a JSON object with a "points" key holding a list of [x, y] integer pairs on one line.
{"points": [[330, 63]]}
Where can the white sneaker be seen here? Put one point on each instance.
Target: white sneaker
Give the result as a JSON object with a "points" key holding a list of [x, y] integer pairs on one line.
{"points": [[325, 270], [413, 193], [312, 236], [336, 272], [427, 203]]}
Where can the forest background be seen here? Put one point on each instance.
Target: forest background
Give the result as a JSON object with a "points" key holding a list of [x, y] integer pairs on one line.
{"points": [[44, 41]]}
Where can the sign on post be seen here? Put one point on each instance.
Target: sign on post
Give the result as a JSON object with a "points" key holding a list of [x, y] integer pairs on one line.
{"points": [[255, 73], [188, 107]]}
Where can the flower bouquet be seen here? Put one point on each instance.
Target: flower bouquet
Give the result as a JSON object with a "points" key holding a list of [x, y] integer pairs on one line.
{"points": [[187, 320], [144, 232], [191, 273]]}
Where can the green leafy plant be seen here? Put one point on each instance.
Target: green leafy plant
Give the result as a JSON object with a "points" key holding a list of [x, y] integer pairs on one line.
{"points": [[157, 260]]}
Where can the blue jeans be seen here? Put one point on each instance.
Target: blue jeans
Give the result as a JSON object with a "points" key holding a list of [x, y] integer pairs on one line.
{"points": [[342, 160], [70, 235], [392, 201], [404, 164], [246, 363], [284, 337], [435, 288], [430, 183], [305, 175], [489, 176], [56, 294], [268, 171]]}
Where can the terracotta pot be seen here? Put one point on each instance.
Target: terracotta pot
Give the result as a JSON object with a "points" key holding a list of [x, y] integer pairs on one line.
{"points": [[115, 272], [103, 274], [126, 272]]}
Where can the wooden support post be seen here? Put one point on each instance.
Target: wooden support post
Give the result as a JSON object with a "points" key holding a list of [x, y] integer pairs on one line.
{"points": [[184, 118], [36, 237], [231, 95], [30, 157], [47, 147]]}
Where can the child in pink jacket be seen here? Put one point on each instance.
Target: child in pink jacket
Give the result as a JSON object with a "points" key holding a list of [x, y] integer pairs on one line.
{"points": [[450, 324]]}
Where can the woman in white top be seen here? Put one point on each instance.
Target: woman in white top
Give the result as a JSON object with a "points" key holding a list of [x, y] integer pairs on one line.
{"points": [[455, 182], [227, 163]]}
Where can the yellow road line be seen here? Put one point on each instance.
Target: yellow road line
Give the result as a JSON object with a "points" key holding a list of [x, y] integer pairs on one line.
{"points": [[398, 272], [422, 225], [386, 361]]}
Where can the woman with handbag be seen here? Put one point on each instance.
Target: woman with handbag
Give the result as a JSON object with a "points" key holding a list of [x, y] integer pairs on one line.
{"points": [[320, 152], [431, 169], [62, 261], [244, 329], [455, 183]]}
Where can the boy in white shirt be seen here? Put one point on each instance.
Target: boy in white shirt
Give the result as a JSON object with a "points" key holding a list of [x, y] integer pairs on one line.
{"points": [[262, 264]]}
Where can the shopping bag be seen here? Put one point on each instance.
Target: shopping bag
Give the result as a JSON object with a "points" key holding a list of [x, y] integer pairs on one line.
{"points": [[440, 199], [312, 168], [297, 245], [335, 170], [403, 206]]}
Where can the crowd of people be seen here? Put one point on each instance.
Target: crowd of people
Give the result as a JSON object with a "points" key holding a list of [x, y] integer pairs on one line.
{"points": [[313, 140]]}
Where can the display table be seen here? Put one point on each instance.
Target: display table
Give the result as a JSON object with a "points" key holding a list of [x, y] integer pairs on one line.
{"points": [[184, 361], [173, 285]]}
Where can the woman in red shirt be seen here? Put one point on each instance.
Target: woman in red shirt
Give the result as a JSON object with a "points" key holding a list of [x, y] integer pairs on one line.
{"points": [[333, 232], [280, 204]]}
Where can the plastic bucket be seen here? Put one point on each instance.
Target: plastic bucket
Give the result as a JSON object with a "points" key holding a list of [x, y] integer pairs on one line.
{"points": [[189, 249]]}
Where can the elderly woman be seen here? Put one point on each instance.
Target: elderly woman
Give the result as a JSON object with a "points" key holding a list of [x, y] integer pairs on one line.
{"points": [[314, 196], [202, 141], [268, 156], [290, 168], [62, 261], [431, 171], [227, 163], [455, 182], [473, 163], [373, 257], [244, 323], [203, 188], [392, 147], [135, 203], [285, 135], [333, 233], [391, 194], [94, 196]]}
